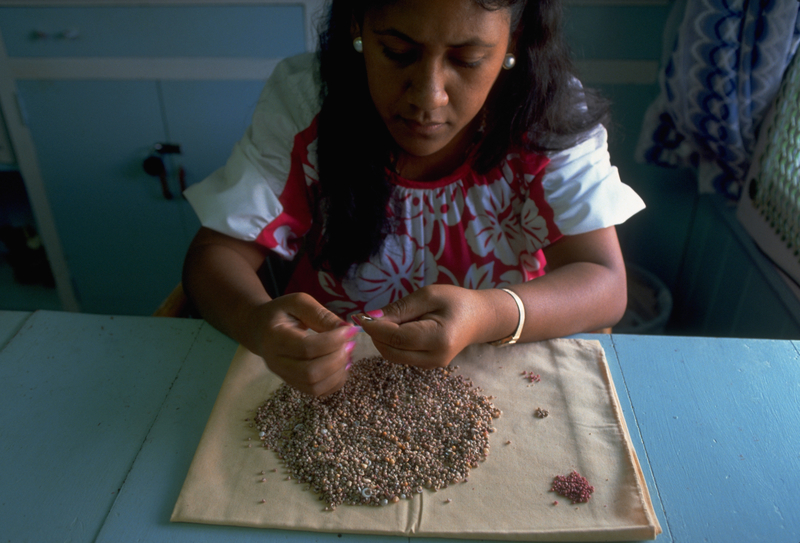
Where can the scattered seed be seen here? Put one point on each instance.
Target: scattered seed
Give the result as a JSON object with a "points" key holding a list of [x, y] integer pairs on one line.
{"points": [[541, 413]]}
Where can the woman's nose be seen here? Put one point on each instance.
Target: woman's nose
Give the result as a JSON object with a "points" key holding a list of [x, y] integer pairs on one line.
{"points": [[427, 87]]}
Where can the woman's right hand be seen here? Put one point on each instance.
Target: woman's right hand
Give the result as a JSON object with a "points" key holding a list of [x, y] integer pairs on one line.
{"points": [[302, 342]]}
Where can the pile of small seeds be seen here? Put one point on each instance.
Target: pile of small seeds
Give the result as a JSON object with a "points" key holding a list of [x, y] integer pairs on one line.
{"points": [[573, 486], [391, 431]]}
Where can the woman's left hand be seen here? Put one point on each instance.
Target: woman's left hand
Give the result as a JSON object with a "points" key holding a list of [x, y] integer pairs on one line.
{"points": [[429, 327]]}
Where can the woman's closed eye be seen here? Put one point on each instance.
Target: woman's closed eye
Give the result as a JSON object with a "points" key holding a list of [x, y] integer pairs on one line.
{"points": [[466, 62], [404, 58]]}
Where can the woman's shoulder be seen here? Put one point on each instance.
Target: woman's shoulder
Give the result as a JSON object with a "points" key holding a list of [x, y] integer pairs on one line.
{"points": [[302, 68], [287, 106], [291, 92]]}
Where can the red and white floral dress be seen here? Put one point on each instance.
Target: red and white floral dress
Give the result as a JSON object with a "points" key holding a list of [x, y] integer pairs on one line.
{"points": [[467, 229]]}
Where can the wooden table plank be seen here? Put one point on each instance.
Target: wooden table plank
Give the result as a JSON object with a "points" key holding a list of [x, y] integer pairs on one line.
{"points": [[10, 323], [79, 394], [720, 419], [629, 413]]}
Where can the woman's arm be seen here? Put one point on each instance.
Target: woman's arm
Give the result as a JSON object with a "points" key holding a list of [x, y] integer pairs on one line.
{"points": [[301, 341], [583, 290]]}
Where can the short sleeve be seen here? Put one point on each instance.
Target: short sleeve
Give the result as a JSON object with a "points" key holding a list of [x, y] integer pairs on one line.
{"points": [[245, 196], [584, 190]]}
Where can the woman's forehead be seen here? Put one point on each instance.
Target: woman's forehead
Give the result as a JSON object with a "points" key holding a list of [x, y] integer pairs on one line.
{"points": [[454, 22]]}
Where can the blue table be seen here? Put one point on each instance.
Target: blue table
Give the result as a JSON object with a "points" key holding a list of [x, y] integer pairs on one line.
{"points": [[100, 417]]}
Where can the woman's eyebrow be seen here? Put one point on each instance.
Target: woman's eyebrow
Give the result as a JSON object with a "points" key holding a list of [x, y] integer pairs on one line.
{"points": [[472, 42]]}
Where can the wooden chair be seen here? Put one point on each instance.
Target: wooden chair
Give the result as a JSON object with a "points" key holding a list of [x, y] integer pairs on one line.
{"points": [[175, 305]]}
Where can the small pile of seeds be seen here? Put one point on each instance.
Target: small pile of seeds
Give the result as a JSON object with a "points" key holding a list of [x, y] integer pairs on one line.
{"points": [[531, 377], [541, 413], [391, 431], [573, 486]]}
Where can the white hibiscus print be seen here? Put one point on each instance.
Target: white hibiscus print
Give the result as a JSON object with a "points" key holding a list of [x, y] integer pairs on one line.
{"points": [[495, 228], [511, 277], [285, 239], [480, 277], [534, 226], [399, 269], [428, 212], [530, 263]]}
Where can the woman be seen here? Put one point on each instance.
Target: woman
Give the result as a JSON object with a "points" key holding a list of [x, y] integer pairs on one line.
{"points": [[434, 151]]}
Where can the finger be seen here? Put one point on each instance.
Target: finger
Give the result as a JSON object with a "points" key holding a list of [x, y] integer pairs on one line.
{"points": [[409, 308], [311, 313], [332, 383], [320, 376], [414, 343], [304, 345]]}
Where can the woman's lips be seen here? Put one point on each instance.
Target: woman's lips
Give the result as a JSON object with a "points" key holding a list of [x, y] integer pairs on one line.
{"points": [[423, 129]]}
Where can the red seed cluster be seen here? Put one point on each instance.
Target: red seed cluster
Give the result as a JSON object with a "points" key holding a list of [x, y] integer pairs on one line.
{"points": [[531, 377], [573, 486]]}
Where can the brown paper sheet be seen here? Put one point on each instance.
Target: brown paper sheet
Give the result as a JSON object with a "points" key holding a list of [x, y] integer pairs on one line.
{"points": [[506, 498]]}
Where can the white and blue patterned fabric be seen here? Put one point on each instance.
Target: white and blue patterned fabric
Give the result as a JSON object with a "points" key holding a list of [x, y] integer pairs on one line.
{"points": [[723, 64]]}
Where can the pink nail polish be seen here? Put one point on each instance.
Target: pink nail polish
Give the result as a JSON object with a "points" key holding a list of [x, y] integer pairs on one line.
{"points": [[352, 332], [350, 346], [375, 313]]}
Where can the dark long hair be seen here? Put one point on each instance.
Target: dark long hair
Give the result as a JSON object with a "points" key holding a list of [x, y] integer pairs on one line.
{"points": [[537, 105]]}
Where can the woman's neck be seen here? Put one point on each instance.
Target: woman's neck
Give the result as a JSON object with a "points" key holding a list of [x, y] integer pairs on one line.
{"points": [[440, 164]]}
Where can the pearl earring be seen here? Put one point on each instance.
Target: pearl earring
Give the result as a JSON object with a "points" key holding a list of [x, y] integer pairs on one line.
{"points": [[509, 61], [358, 45]]}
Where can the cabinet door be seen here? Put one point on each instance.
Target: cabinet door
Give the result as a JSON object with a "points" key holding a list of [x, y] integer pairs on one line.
{"points": [[206, 118], [123, 241]]}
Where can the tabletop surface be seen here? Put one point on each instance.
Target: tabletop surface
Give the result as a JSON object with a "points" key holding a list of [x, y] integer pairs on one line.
{"points": [[100, 417]]}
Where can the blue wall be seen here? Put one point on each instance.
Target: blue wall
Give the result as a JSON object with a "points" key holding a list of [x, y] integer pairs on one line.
{"points": [[655, 238]]}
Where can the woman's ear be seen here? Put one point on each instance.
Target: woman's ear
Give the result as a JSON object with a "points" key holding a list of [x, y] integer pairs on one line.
{"points": [[355, 28]]}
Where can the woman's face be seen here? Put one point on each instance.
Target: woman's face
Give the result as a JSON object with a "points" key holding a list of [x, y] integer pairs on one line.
{"points": [[430, 66]]}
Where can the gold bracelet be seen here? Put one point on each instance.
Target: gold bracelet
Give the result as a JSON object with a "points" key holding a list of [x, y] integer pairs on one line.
{"points": [[513, 338]]}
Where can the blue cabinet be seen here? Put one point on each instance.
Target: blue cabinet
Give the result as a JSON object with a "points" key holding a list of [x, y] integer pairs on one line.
{"points": [[122, 239], [91, 125]]}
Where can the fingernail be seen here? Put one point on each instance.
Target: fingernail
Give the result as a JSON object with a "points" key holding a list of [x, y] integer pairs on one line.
{"points": [[348, 366], [350, 346], [352, 332], [375, 313], [355, 320], [343, 323]]}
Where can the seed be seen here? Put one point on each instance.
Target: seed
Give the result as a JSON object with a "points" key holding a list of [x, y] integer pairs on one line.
{"points": [[573, 486], [403, 419]]}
